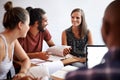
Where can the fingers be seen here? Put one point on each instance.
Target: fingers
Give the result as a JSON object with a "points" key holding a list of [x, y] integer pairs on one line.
{"points": [[47, 55], [66, 51], [44, 55], [18, 76]]}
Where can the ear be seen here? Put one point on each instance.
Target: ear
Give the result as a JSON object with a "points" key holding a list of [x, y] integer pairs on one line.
{"points": [[107, 30], [20, 24], [36, 22]]}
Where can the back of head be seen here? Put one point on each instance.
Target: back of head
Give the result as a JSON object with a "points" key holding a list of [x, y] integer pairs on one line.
{"points": [[13, 15], [111, 23], [114, 10]]}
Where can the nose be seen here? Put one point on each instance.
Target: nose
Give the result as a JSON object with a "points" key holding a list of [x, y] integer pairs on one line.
{"points": [[46, 23], [74, 19]]}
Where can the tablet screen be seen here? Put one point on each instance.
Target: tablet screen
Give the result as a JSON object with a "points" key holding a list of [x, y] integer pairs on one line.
{"points": [[95, 54]]}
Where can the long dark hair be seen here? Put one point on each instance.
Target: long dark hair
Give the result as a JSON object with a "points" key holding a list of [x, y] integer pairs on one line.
{"points": [[83, 26]]}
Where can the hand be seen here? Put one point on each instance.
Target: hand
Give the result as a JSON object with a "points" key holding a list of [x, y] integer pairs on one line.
{"points": [[19, 76], [72, 60], [66, 51], [43, 55], [28, 78]]}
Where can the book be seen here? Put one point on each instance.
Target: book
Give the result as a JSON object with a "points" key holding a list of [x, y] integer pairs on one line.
{"points": [[57, 50]]}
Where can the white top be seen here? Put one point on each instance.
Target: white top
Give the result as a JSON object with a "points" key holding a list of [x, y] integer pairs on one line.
{"points": [[6, 64]]}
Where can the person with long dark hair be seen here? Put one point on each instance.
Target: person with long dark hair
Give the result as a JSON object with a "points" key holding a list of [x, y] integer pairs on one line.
{"points": [[77, 36]]}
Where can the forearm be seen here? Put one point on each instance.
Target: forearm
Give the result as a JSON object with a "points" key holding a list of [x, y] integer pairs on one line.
{"points": [[33, 55], [50, 43], [39, 55], [25, 65]]}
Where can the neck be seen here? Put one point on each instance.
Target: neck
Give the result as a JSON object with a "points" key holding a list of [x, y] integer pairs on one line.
{"points": [[75, 29], [34, 30], [9, 36]]}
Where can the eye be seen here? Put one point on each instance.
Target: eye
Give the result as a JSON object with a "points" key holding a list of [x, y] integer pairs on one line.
{"points": [[77, 17], [72, 17]]}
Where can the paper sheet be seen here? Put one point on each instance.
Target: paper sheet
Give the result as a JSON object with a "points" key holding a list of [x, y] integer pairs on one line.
{"points": [[51, 66], [57, 50], [61, 73]]}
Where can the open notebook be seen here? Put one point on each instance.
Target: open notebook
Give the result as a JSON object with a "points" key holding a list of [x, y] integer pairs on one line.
{"points": [[60, 74], [95, 54]]}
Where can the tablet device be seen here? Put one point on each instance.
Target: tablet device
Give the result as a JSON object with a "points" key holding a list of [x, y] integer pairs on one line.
{"points": [[95, 54]]}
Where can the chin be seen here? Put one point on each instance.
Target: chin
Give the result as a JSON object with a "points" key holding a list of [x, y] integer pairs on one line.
{"points": [[24, 36]]}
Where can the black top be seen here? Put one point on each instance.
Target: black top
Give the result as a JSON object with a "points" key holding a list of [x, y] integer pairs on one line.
{"points": [[78, 45]]}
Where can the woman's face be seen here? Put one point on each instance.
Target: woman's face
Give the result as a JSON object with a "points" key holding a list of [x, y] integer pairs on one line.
{"points": [[76, 18], [25, 27]]}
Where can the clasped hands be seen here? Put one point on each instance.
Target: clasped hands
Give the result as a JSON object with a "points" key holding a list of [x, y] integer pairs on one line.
{"points": [[73, 58]]}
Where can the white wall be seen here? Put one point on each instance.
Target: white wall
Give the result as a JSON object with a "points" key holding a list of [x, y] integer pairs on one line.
{"points": [[58, 12]]}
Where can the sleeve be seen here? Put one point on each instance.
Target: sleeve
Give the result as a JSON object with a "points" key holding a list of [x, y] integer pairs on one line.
{"points": [[47, 35]]}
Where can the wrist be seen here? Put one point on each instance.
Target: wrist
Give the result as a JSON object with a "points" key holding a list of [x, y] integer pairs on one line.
{"points": [[23, 71], [37, 54]]}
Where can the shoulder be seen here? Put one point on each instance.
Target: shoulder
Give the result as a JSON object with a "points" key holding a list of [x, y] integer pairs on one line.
{"points": [[66, 31], [1, 43], [46, 31], [88, 31], [69, 29], [99, 66], [2, 47], [16, 42], [89, 34]]}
